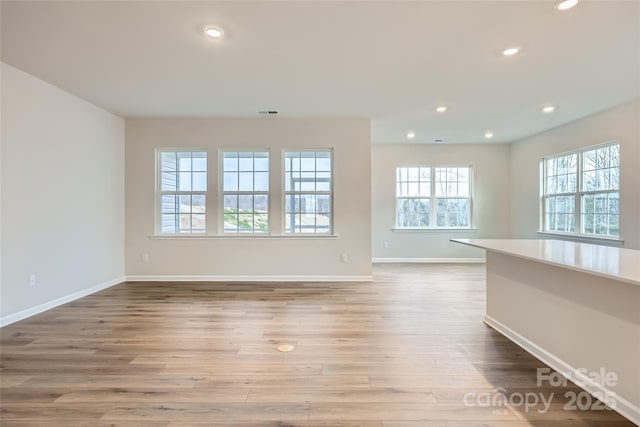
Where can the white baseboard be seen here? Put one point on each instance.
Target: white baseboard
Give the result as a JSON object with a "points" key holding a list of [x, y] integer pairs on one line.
{"points": [[12, 318], [429, 260], [573, 374], [252, 278], [15, 317]]}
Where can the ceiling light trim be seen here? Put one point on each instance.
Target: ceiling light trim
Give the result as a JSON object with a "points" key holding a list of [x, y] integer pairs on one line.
{"points": [[511, 51], [214, 33], [565, 4]]}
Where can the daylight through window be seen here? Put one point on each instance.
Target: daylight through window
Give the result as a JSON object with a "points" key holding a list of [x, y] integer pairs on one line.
{"points": [[245, 191], [585, 181], [183, 187], [433, 197], [308, 191]]}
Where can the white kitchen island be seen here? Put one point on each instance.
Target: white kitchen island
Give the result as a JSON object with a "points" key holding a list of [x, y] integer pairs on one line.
{"points": [[575, 306]]}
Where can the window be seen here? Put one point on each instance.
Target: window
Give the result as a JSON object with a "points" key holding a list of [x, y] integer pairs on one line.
{"points": [[585, 181], [245, 191], [560, 198], [413, 197], [242, 200], [433, 197], [453, 201], [182, 191], [308, 191], [600, 197]]}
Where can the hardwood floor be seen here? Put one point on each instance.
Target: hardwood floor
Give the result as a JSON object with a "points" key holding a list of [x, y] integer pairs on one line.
{"points": [[408, 349]]}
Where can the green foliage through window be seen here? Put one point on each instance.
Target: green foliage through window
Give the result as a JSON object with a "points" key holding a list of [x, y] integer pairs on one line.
{"points": [[587, 182], [433, 197]]}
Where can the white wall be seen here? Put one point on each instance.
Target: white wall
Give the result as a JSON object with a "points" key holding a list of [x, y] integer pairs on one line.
{"points": [[490, 203], [62, 195], [620, 124], [256, 258]]}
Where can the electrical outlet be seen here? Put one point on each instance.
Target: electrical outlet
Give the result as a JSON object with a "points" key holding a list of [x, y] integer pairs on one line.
{"points": [[385, 244], [32, 280], [344, 258], [145, 257]]}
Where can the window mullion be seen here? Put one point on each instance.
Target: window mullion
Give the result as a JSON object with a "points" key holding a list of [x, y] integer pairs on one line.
{"points": [[543, 200], [432, 200], [578, 196], [586, 193]]}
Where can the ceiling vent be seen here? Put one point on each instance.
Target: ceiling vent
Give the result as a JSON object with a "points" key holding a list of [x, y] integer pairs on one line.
{"points": [[268, 112]]}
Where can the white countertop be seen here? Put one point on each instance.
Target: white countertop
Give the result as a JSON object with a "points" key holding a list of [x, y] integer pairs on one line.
{"points": [[606, 261]]}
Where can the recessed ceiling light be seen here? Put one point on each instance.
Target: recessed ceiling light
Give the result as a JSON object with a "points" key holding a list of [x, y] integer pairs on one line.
{"points": [[411, 134], [441, 109], [488, 135], [548, 109], [565, 4], [213, 32], [511, 51]]}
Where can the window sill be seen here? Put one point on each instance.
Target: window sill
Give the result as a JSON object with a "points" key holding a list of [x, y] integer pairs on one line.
{"points": [[433, 230], [242, 236], [609, 241]]}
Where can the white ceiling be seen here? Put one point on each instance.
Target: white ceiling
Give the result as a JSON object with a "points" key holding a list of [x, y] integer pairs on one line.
{"points": [[391, 61]]}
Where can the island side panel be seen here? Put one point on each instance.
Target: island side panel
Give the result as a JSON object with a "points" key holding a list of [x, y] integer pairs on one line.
{"points": [[583, 320]]}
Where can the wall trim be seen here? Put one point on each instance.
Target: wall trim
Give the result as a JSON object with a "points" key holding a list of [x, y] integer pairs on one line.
{"points": [[252, 278], [23, 314], [244, 236], [429, 260], [623, 406]]}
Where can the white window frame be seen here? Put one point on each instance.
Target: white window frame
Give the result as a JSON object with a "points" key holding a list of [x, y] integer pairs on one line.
{"points": [[433, 199], [578, 194], [221, 205], [291, 192], [160, 192]]}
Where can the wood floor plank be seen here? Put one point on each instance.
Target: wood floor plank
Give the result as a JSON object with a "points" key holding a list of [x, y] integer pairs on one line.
{"points": [[124, 382], [202, 412], [81, 423], [284, 384], [54, 413], [368, 395], [403, 412], [391, 368], [404, 350], [460, 381], [288, 369], [178, 395], [7, 381], [528, 423], [276, 424]]}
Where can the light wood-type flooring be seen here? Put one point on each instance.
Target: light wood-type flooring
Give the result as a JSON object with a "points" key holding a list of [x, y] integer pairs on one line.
{"points": [[408, 349]]}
